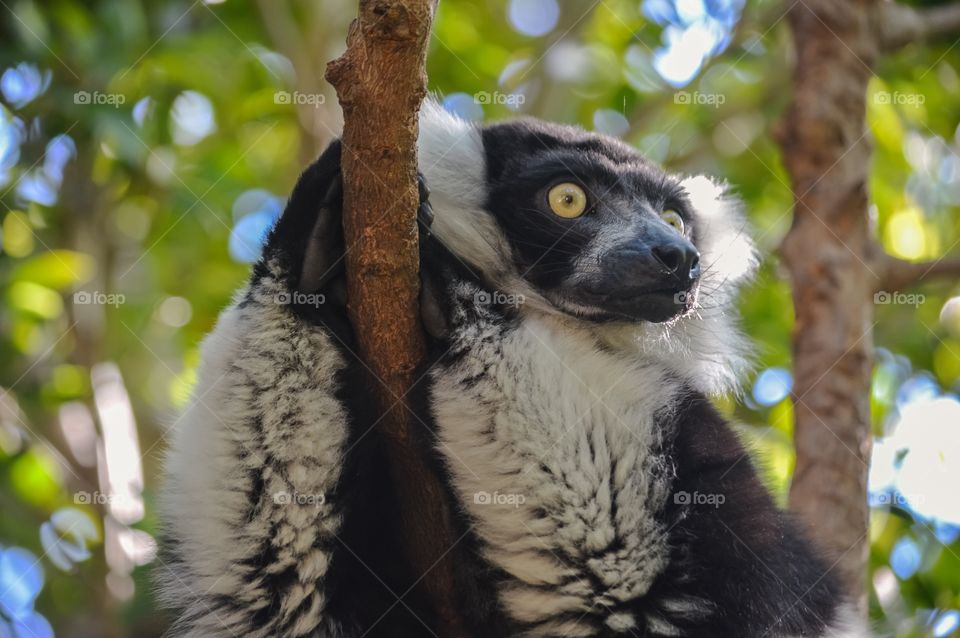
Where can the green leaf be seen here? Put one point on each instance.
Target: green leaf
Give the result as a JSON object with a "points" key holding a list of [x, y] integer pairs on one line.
{"points": [[58, 269], [35, 299]]}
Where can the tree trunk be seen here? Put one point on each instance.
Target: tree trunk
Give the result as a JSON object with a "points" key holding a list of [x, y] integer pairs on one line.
{"points": [[381, 83], [834, 264], [827, 153]]}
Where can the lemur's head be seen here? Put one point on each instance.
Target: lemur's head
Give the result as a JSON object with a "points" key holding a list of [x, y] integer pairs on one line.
{"points": [[580, 220], [581, 224]]}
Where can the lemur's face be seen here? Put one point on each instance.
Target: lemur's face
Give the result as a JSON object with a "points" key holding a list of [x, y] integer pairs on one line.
{"points": [[601, 232], [581, 220]]}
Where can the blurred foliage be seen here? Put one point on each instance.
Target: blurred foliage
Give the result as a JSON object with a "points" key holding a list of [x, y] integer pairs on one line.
{"points": [[145, 146]]}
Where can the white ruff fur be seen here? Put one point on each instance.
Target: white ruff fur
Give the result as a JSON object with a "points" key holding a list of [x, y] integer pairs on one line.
{"points": [[561, 437]]}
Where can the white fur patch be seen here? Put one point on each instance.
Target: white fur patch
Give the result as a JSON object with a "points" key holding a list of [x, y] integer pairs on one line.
{"points": [[452, 159], [249, 465], [553, 450], [724, 234]]}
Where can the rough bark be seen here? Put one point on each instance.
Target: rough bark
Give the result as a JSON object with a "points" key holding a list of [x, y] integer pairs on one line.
{"points": [[834, 264], [381, 82]]}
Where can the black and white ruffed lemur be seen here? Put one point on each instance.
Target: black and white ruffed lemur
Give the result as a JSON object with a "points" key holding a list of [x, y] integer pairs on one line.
{"points": [[579, 304]]}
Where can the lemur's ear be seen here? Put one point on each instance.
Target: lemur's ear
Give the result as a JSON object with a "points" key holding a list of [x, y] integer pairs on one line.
{"points": [[323, 261], [308, 238]]}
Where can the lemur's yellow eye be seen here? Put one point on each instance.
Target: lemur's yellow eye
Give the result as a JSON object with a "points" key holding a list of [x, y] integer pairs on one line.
{"points": [[673, 218], [567, 200]]}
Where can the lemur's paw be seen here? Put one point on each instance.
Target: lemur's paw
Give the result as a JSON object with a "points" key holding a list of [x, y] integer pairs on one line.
{"points": [[452, 293], [424, 210], [452, 298]]}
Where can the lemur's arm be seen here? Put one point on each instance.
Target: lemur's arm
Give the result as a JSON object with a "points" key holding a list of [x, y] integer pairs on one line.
{"points": [[736, 549], [279, 514]]}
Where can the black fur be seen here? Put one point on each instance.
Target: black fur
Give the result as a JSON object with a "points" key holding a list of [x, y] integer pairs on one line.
{"points": [[744, 555]]}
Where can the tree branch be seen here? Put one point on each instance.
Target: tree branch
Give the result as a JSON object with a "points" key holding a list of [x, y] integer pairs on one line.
{"points": [[381, 82], [897, 274], [899, 25]]}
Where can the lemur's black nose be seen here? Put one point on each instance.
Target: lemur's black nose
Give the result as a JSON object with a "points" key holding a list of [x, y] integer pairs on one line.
{"points": [[680, 259]]}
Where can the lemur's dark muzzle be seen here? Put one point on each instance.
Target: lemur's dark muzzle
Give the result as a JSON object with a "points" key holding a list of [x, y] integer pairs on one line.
{"points": [[665, 264], [651, 277]]}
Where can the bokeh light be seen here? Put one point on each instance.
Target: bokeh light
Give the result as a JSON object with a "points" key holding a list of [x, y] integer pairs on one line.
{"points": [[946, 624], [905, 558], [248, 236], [464, 106], [23, 84], [610, 122], [534, 17], [192, 118], [772, 386], [694, 31], [21, 579]]}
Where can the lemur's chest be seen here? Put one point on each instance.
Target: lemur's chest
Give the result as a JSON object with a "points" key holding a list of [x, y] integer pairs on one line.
{"points": [[555, 453]]}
